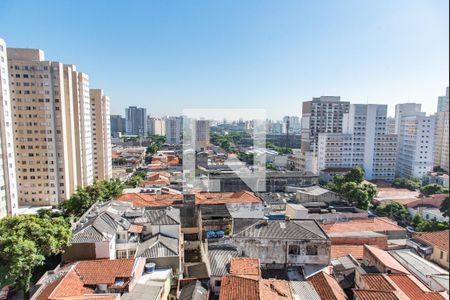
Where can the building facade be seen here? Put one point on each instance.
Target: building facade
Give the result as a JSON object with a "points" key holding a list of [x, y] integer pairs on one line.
{"points": [[174, 127], [156, 126], [8, 182], [416, 145], [101, 140], [136, 121], [441, 137], [201, 134], [321, 115], [117, 125], [48, 130], [364, 143]]}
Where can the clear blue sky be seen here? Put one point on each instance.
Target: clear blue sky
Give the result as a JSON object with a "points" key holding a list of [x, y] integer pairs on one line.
{"points": [[168, 55]]}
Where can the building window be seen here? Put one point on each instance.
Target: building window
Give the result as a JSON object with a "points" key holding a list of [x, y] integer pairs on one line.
{"points": [[442, 254], [311, 250], [294, 250], [131, 253], [121, 254]]}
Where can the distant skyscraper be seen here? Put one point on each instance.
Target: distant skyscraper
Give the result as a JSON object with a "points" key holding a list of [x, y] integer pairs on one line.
{"points": [[156, 126], [416, 142], [441, 153], [8, 182], [102, 151], [390, 125], [405, 109], [136, 121], [117, 125], [173, 130], [321, 115], [443, 102], [201, 134]]}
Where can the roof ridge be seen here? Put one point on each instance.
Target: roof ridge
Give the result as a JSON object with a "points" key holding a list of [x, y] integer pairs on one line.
{"points": [[307, 229]]}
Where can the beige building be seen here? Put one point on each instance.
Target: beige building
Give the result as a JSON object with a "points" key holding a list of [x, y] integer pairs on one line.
{"points": [[53, 127], [101, 135], [201, 135], [441, 137], [8, 183]]}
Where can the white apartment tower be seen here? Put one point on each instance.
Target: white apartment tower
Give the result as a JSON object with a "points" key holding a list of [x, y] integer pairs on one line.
{"points": [[416, 144], [8, 182], [101, 133], [51, 129], [441, 153], [405, 109], [364, 142]]}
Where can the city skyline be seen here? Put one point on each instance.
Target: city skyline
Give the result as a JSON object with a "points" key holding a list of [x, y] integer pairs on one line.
{"points": [[193, 57]]}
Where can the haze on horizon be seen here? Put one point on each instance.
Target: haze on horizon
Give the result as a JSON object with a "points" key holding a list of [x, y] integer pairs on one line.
{"points": [[168, 56]]}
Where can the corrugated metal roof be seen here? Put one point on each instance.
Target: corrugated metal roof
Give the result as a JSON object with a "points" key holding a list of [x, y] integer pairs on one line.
{"points": [[219, 260], [158, 246], [163, 216], [303, 290], [276, 229]]}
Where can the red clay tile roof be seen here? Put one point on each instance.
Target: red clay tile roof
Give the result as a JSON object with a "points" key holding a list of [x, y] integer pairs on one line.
{"points": [[376, 282], [94, 272], [223, 198], [245, 266], [433, 200], [151, 200], [374, 295], [272, 289], [385, 258], [236, 288], [438, 239], [342, 250], [413, 288], [241, 287], [135, 228], [369, 224], [327, 287]]}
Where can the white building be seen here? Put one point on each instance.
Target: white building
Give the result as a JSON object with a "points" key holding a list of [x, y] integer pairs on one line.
{"points": [[8, 183], [443, 102], [416, 144], [364, 142], [156, 126], [405, 109], [136, 121]]}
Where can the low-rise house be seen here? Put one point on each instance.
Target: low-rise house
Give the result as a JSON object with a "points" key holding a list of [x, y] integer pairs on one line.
{"points": [[102, 279], [384, 226], [435, 177], [439, 240], [386, 195], [382, 261], [280, 243], [434, 277], [327, 287], [392, 286], [316, 194], [218, 261], [327, 174], [117, 229], [245, 282], [193, 289], [343, 243]]}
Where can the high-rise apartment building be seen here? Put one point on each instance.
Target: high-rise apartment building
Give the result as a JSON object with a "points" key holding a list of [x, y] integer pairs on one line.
{"points": [[441, 138], [156, 126], [321, 115], [364, 142], [136, 121], [101, 133], [174, 130], [405, 109], [51, 119], [8, 183], [201, 134], [390, 125], [443, 102], [117, 125], [416, 143]]}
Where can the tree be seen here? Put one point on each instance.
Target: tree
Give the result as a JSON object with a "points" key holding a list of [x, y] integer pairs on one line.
{"points": [[356, 174], [403, 183], [395, 211], [25, 241], [445, 207], [78, 203], [432, 189]]}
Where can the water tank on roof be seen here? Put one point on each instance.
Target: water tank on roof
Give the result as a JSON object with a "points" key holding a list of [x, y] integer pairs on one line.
{"points": [[150, 267]]}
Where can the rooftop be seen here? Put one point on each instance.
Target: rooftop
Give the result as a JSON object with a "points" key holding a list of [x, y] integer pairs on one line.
{"points": [[245, 266], [439, 239], [385, 258], [358, 225], [342, 250], [238, 287], [139, 199], [327, 287], [223, 198]]}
